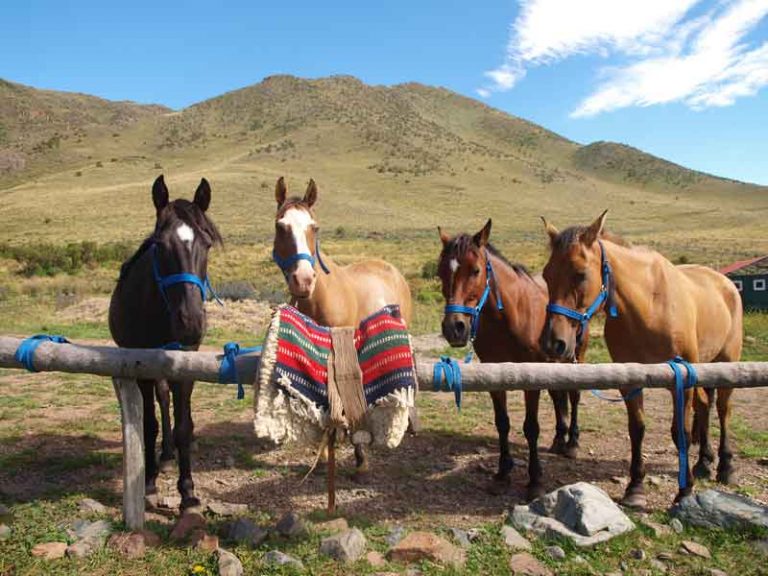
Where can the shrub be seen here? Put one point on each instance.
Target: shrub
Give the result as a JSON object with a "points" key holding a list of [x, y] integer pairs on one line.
{"points": [[429, 269], [236, 290], [49, 259]]}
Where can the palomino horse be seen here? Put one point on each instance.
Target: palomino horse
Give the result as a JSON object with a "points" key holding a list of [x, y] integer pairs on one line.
{"points": [[337, 295], [158, 303], [502, 309], [659, 311]]}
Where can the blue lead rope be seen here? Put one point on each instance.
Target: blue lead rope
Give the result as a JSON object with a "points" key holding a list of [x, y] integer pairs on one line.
{"points": [[451, 369], [680, 386], [285, 263], [228, 368], [25, 353], [627, 398]]}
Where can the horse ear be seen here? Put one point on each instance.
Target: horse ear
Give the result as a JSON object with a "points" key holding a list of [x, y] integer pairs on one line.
{"points": [[160, 193], [595, 229], [444, 238], [310, 196], [203, 195], [280, 191], [481, 238], [551, 230]]}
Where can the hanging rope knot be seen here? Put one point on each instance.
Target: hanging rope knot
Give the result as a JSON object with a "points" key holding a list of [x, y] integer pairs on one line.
{"points": [[446, 377], [25, 353], [681, 384], [228, 368]]}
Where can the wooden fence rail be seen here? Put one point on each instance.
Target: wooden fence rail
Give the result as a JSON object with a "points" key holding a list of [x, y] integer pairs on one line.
{"points": [[124, 366]]}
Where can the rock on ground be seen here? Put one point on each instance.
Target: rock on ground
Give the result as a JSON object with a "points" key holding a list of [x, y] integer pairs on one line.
{"points": [[50, 550], [556, 553], [190, 522], [5, 532], [245, 531], [526, 565], [229, 564], [291, 525], [281, 559], [91, 537], [129, 545], [227, 508], [419, 546], [514, 540], [717, 509], [659, 530], [581, 512], [695, 548], [345, 547], [205, 542], [91, 506], [395, 535], [375, 559], [676, 526], [461, 537], [333, 526]]}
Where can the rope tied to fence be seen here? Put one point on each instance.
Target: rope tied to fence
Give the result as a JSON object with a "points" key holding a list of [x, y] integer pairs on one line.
{"points": [[450, 369], [627, 398], [25, 353], [680, 385], [228, 368]]}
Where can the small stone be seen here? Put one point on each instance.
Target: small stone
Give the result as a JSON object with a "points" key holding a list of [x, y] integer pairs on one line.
{"points": [[654, 480], [526, 565], [50, 550], [187, 524], [151, 539], [461, 537], [658, 565], [474, 533], [676, 525], [333, 526], [245, 531], [291, 525], [229, 564], [5, 532], [278, 558], [395, 535], [514, 540], [130, 545], [85, 530], [579, 560], [623, 566], [227, 508], [695, 548], [665, 556], [375, 559], [618, 479], [158, 518], [169, 502], [556, 553], [205, 542], [659, 530], [637, 554], [91, 506], [716, 572], [419, 546], [345, 547]]}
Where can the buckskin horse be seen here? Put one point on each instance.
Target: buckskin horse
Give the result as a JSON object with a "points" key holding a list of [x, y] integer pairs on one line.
{"points": [[657, 311], [501, 308], [335, 295], [159, 303]]}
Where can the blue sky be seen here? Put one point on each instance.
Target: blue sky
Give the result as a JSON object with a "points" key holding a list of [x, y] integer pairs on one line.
{"points": [[682, 79]]}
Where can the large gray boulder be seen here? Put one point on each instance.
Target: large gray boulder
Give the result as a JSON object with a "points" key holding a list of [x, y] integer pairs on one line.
{"points": [[581, 512], [716, 509]]}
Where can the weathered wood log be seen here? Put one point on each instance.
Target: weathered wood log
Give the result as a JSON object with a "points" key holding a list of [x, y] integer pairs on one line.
{"points": [[204, 366], [132, 413]]}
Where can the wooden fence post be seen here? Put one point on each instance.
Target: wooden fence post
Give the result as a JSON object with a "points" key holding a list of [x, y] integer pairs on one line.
{"points": [[132, 416]]}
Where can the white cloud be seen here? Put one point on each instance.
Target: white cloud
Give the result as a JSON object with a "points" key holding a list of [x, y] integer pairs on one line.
{"points": [[702, 60]]}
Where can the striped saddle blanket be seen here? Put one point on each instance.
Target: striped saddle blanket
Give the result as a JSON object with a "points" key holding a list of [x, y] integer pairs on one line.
{"points": [[295, 402]]}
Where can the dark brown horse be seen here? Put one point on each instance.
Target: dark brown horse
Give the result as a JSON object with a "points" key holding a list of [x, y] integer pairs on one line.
{"points": [[470, 266], [158, 303], [662, 311]]}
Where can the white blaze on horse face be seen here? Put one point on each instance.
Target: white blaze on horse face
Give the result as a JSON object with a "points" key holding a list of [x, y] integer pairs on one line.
{"points": [[186, 235], [299, 221]]}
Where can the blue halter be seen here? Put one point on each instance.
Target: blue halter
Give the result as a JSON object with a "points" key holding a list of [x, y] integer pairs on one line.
{"points": [[474, 311], [163, 282], [285, 264], [583, 318]]}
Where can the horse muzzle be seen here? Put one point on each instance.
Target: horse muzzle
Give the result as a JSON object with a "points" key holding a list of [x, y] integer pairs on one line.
{"points": [[456, 330]]}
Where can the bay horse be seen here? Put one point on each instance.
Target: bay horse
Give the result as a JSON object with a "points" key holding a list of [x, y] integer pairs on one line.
{"points": [[159, 303], [335, 295], [502, 309], [661, 311]]}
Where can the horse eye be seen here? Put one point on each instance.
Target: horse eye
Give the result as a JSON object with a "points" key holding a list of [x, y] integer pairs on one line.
{"points": [[476, 272], [580, 277]]}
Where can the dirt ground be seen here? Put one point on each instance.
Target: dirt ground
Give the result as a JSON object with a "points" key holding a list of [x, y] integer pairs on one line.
{"points": [[53, 443]]}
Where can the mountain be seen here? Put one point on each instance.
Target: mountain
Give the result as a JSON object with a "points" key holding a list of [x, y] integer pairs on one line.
{"points": [[390, 161]]}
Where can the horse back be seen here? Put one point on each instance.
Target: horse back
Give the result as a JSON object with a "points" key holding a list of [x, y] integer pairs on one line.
{"points": [[376, 284]]}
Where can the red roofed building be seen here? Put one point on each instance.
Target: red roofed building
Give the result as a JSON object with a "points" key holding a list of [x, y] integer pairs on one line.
{"points": [[751, 278]]}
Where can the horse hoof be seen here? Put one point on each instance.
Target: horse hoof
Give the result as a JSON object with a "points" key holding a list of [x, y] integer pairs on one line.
{"points": [[533, 492], [702, 471], [635, 500], [166, 465], [558, 447], [725, 476], [571, 451]]}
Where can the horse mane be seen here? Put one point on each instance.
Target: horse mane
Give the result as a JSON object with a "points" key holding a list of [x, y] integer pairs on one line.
{"points": [[459, 246], [571, 235], [177, 212]]}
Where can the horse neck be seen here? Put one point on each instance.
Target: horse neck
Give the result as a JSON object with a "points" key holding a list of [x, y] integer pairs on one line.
{"points": [[331, 302], [524, 304], [634, 281]]}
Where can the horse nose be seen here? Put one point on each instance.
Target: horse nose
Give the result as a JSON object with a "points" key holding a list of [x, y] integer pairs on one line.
{"points": [[559, 346], [460, 327], [301, 281]]}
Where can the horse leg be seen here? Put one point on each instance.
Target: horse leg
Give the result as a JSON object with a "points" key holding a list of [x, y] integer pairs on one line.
{"points": [[183, 428], [702, 402], [634, 495], [725, 465], [147, 388], [687, 417], [560, 402], [531, 430], [572, 448], [501, 418], [167, 455]]}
